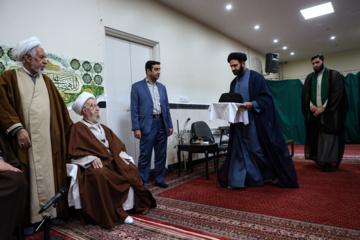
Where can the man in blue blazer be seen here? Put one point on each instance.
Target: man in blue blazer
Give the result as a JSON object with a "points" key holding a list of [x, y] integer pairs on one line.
{"points": [[151, 122]]}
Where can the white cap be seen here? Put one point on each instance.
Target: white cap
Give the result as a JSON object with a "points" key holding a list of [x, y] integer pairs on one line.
{"points": [[24, 46], [80, 101]]}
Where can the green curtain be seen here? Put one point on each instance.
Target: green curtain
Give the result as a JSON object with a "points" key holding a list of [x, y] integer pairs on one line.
{"points": [[352, 124], [287, 98]]}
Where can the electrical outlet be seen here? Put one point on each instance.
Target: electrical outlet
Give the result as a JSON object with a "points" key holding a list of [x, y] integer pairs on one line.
{"points": [[184, 99]]}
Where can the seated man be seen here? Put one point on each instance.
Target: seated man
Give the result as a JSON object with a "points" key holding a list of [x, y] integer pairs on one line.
{"points": [[104, 177], [12, 190]]}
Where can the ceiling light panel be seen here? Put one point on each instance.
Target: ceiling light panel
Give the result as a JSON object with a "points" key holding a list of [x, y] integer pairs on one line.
{"points": [[317, 11]]}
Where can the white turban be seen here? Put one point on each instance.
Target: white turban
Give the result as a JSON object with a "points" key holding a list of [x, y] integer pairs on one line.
{"points": [[24, 46], [80, 101]]}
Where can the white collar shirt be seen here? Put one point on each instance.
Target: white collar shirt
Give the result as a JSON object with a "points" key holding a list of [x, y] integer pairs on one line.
{"points": [[155, 96]]}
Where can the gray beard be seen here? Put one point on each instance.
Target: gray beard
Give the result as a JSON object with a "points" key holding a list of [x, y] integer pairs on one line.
{"points": [[38, 70], [95, 119]]}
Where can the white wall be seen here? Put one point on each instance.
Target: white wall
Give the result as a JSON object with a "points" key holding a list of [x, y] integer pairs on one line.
{"points": [[345, 62], [193, 56]]}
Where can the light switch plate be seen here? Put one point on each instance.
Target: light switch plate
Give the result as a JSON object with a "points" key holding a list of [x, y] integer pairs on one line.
{"points": [[184, 99]]}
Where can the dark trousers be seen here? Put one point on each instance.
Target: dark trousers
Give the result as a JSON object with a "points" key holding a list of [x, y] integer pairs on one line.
{"points": [[156, 139]]}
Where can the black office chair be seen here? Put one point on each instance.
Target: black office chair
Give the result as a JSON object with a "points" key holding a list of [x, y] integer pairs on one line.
{"points": [[201, 130]]}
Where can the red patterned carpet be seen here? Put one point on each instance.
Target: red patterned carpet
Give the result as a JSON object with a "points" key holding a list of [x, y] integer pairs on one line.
{"points": [[330, 198], [326, 206], [352, 151]]}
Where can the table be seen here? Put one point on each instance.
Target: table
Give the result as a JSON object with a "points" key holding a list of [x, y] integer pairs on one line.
{"points": [[199, 148], [224, 130]]}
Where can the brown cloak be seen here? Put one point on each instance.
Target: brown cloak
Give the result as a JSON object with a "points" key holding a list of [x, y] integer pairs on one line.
{"points": [[104, 190], [12, 192], [12, 113]]}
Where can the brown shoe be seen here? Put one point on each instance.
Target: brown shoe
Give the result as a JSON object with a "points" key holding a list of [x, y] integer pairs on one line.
{"points": [[145, 211]]}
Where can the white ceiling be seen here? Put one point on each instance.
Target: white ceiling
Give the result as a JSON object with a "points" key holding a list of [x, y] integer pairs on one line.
{"points": [[282, 20]]}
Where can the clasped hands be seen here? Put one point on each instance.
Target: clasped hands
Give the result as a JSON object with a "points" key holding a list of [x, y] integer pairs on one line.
{"points": [[317, 111], [97, 163]]}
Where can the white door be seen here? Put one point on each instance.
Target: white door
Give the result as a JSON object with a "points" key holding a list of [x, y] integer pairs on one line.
{"points": [[124, 65]]}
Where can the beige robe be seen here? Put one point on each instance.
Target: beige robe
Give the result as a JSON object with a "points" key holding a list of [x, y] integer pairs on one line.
{"points": [[36, 108], [13, 115]]}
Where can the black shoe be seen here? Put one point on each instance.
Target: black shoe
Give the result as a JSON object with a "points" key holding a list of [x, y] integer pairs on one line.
{"points": [[326, 167], [29, 230], [56, 221], [162, 185], [275, 181]]}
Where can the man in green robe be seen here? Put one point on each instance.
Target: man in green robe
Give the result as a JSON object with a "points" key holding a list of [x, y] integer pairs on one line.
{"points": [[324, 104]]}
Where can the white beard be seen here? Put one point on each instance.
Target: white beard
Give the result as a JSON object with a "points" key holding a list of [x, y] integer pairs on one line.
{"points": [[37, 69], [95, 119]]}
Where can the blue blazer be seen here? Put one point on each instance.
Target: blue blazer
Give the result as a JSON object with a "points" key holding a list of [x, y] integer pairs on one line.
{"points": [[142, 107]]}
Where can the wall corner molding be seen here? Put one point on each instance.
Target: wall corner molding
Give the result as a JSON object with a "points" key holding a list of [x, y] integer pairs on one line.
{"points": [[129, 37]]}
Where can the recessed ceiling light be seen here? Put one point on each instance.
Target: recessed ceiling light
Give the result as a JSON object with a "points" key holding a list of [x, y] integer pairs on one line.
{"points": [[284, 47], [256, 27], [228, 7], [292, 53], [317, 11], [332, 37], [275, 40]]}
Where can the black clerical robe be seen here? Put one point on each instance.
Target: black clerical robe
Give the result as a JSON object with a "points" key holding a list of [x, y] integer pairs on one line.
{"points": [[325, 141]]}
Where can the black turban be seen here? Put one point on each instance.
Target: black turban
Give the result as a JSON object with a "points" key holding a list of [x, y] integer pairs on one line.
{"points": [[238, 56]]}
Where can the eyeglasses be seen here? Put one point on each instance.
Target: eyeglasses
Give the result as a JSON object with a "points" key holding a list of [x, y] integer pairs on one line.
{"points": [[92, 106]]}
